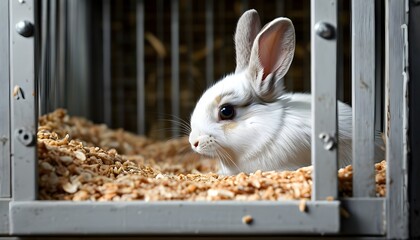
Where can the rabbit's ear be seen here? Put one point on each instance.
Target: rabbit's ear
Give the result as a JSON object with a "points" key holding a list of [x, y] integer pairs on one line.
{"points": [[247, 29], [271, 56]]}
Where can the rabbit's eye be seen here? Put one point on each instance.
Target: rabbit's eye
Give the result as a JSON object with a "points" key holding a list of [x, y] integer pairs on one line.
{"points": [[226, 112]]}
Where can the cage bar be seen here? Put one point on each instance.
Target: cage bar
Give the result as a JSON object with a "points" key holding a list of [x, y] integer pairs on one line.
{"points": [[61, 59], [414, 118], [175, 64], [52, 71], [363, 90], [244, 5], [396, 115], [119, 82], [209, 43], [379, 68], [340, 53], [23, 104], [221, 28], [78, 58], [141, 100], [160, 88], [106, 62], [44, 80], [324, 99], [5, 102]]}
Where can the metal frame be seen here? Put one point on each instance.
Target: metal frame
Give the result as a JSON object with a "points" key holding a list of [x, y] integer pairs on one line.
{"points": [[396, 78], [5, 164], [363, 74], [141, 105], [175, 64], [414, 117], [324, 99], [382, 217], [5, 102], [24, 115], [172, 217]]}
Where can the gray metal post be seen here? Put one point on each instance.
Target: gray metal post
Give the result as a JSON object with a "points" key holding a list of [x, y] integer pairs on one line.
{"points": [[160, 63], [414, 168], [175, 63], [141, 99], [324, 98], [396, 114], [107, 69], [61, 60], [78, 59], [23, 103], [363, 89], [209, 43], [5, 102]]}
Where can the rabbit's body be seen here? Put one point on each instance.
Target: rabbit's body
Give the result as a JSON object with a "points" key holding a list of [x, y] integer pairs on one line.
{"points": [[267, 136], [247, 120]]}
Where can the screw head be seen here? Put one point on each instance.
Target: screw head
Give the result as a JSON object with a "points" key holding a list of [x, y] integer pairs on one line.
{"points": [[25, 28], [328, 140], [324, 30], [25, 137]]}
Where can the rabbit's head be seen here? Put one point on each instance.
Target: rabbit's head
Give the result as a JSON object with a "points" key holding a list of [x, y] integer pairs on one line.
{"points": [[238, 116]]}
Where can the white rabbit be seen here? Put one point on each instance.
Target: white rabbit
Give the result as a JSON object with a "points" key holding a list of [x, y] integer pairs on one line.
{"points": [[247, 119]]}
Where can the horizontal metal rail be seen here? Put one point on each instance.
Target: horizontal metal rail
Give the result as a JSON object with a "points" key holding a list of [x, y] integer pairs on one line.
{"points": [[124, 218]]}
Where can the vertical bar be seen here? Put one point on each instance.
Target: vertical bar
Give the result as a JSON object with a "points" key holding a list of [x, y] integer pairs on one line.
{"points": [[5, 102], [395, 99], [209, 43], [244, 5], [306, 84], [44, 80], [175, 63], [52, 71], [414, 168], [119, 76], [363, 100], [280, 8], [107, 70], [379, 71], [324, 100], [340, 53], [190, 48], [160, 66], [62, 41], [78, 58], [140, 68], [221, 63], [23, 104]]}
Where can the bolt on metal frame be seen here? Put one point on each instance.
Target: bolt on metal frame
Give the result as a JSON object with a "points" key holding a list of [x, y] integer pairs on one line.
{"points": [[21, 214]]}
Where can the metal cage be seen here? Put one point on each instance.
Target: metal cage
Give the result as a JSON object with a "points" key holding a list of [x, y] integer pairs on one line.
{"points": [[24, 95]]}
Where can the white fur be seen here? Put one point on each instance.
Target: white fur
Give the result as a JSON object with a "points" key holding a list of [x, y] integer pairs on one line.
{"points": [[269, 136], [271, 129]]}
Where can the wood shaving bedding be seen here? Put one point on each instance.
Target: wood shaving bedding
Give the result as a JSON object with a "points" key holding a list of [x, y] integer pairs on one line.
{"points": [[79, 161]]}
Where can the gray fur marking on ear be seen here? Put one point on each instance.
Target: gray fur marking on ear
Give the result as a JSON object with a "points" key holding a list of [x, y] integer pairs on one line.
{"points": [[246, 30]]}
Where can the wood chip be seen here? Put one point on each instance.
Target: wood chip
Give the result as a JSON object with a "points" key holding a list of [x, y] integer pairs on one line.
{"points": [[302, 205], [247, 219], [329, 198], [79, 161]]}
